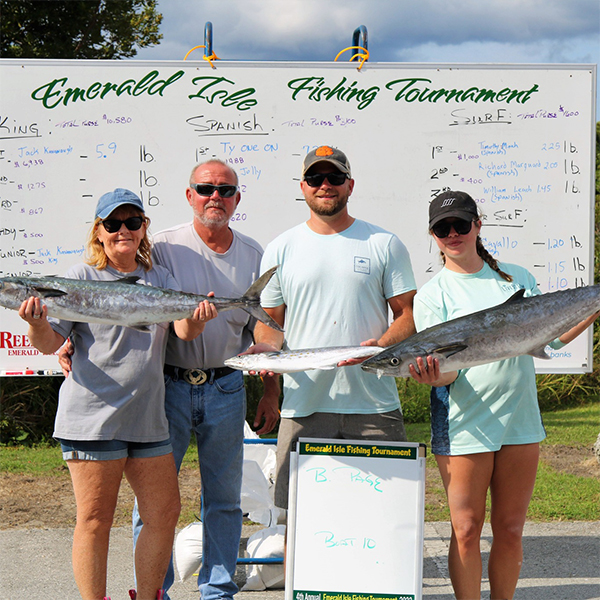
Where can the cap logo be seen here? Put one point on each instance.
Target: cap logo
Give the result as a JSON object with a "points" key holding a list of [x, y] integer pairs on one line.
{"points": [[447, 202], [324, 151]]}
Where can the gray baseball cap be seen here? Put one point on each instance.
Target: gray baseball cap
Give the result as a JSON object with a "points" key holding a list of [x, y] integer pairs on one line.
{"points": [[327, 154]]}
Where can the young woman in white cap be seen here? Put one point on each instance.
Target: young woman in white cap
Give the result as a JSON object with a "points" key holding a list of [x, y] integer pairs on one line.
{"points": [[485, 421], [111, 418]]}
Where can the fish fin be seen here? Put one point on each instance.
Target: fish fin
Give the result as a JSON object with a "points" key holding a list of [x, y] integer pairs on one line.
{"points": [[254, 291], [133, 279], [252, 299], [449, 350], [516, 296], [49, 292], [540, 353], [258, 312], [143, 328]]}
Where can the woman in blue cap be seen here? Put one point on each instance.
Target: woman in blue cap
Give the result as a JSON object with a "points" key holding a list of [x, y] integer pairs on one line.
{"points": [[111, 419]]}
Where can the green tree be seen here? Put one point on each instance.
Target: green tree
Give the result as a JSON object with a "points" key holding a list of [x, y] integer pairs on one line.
{"points": [[77, 29]]}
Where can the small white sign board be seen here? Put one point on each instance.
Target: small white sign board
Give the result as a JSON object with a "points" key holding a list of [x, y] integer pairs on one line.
{"points": [[355, 523]]}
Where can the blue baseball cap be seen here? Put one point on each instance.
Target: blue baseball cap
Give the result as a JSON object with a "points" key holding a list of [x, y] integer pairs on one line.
{"points": [[111, 200]]}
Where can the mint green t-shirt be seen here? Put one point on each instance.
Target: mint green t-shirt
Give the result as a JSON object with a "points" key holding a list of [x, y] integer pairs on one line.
{"points": [[335, 288], [489, 405]]}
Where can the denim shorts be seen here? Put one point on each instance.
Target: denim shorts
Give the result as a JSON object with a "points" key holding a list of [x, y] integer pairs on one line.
{"points": [[112, 449]]}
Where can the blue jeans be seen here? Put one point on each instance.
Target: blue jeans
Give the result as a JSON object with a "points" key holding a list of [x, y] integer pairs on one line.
{"points": [[215, 412]]}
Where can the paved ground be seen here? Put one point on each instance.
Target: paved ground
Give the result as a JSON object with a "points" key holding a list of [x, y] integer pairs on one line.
{"points": [[562, 562]]}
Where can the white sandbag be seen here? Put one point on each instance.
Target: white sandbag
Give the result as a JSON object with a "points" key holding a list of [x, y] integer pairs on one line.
{"points": [[188, 550], [266, 543], [255, 488], [269, 517], [258, 479], [248, 433]]}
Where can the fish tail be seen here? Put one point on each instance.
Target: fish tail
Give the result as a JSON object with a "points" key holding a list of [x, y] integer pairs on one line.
{"points": [[259, 313], [254, 291], [251, 299]]}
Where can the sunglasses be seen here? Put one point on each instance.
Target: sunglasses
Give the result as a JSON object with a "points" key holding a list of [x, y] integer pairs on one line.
{"points": [[442, 229], [317, 179], [113, 225], [206, 189]]}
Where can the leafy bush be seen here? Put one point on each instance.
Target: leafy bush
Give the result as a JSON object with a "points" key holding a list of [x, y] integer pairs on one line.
{"points": [[27, 409], [414, 398]]}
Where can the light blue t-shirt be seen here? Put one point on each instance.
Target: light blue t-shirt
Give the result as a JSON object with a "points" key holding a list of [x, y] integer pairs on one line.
{"points": [[489, 405], [335, 288]]}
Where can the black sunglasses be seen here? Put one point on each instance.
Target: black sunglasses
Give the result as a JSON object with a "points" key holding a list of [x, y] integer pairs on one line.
{"points": [[442, 229], [113, 225], [317, 179], [206, 189]]}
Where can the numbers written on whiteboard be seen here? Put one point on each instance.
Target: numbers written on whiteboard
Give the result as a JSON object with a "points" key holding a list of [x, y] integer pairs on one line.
{"points": [[105, 150]]}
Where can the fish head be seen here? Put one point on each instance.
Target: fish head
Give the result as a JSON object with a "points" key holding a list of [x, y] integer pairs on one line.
{"points": [[237, 362], [388, 363]]}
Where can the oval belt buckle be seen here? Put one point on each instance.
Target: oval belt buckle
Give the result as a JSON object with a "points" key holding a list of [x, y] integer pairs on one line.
{"points": [[196, 376]]}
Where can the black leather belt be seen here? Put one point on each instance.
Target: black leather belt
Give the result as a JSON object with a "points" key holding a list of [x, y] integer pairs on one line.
{"points": [[196, 376]]}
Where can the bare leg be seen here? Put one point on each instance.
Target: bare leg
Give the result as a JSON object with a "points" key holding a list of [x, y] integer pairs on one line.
{"points": [[154, 481], [515, 468], [466, 479], [96, 486]]}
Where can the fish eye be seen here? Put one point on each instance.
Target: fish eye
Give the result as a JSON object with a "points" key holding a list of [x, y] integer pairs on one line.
{"points": [[394, 361]]}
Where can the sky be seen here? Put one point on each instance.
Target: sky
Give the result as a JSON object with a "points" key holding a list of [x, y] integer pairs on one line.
{"points": [[414, 31]]}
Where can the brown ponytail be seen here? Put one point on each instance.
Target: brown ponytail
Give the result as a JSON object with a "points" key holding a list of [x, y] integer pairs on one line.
{"points": [[490, 260]]}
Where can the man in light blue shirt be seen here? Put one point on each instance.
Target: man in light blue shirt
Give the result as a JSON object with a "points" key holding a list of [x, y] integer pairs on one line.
{"points": [[337, 280]]}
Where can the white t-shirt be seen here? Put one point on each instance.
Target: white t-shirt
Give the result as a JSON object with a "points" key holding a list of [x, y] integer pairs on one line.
{"points": [[335, 288]]}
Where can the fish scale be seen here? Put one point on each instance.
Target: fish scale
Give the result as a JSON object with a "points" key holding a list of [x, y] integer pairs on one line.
{"points": [[518, 326]]}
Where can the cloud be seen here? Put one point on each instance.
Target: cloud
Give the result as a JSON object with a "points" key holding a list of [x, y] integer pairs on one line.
{"points": [[398, 30]]}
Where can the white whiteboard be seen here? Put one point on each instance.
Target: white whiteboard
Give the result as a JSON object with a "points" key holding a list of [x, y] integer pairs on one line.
{"points": [[356, 520], [519, 138]]}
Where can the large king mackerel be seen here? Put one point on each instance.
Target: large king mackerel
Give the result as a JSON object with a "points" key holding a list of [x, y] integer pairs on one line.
{"points": [[516, 327], [123, 302]]}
